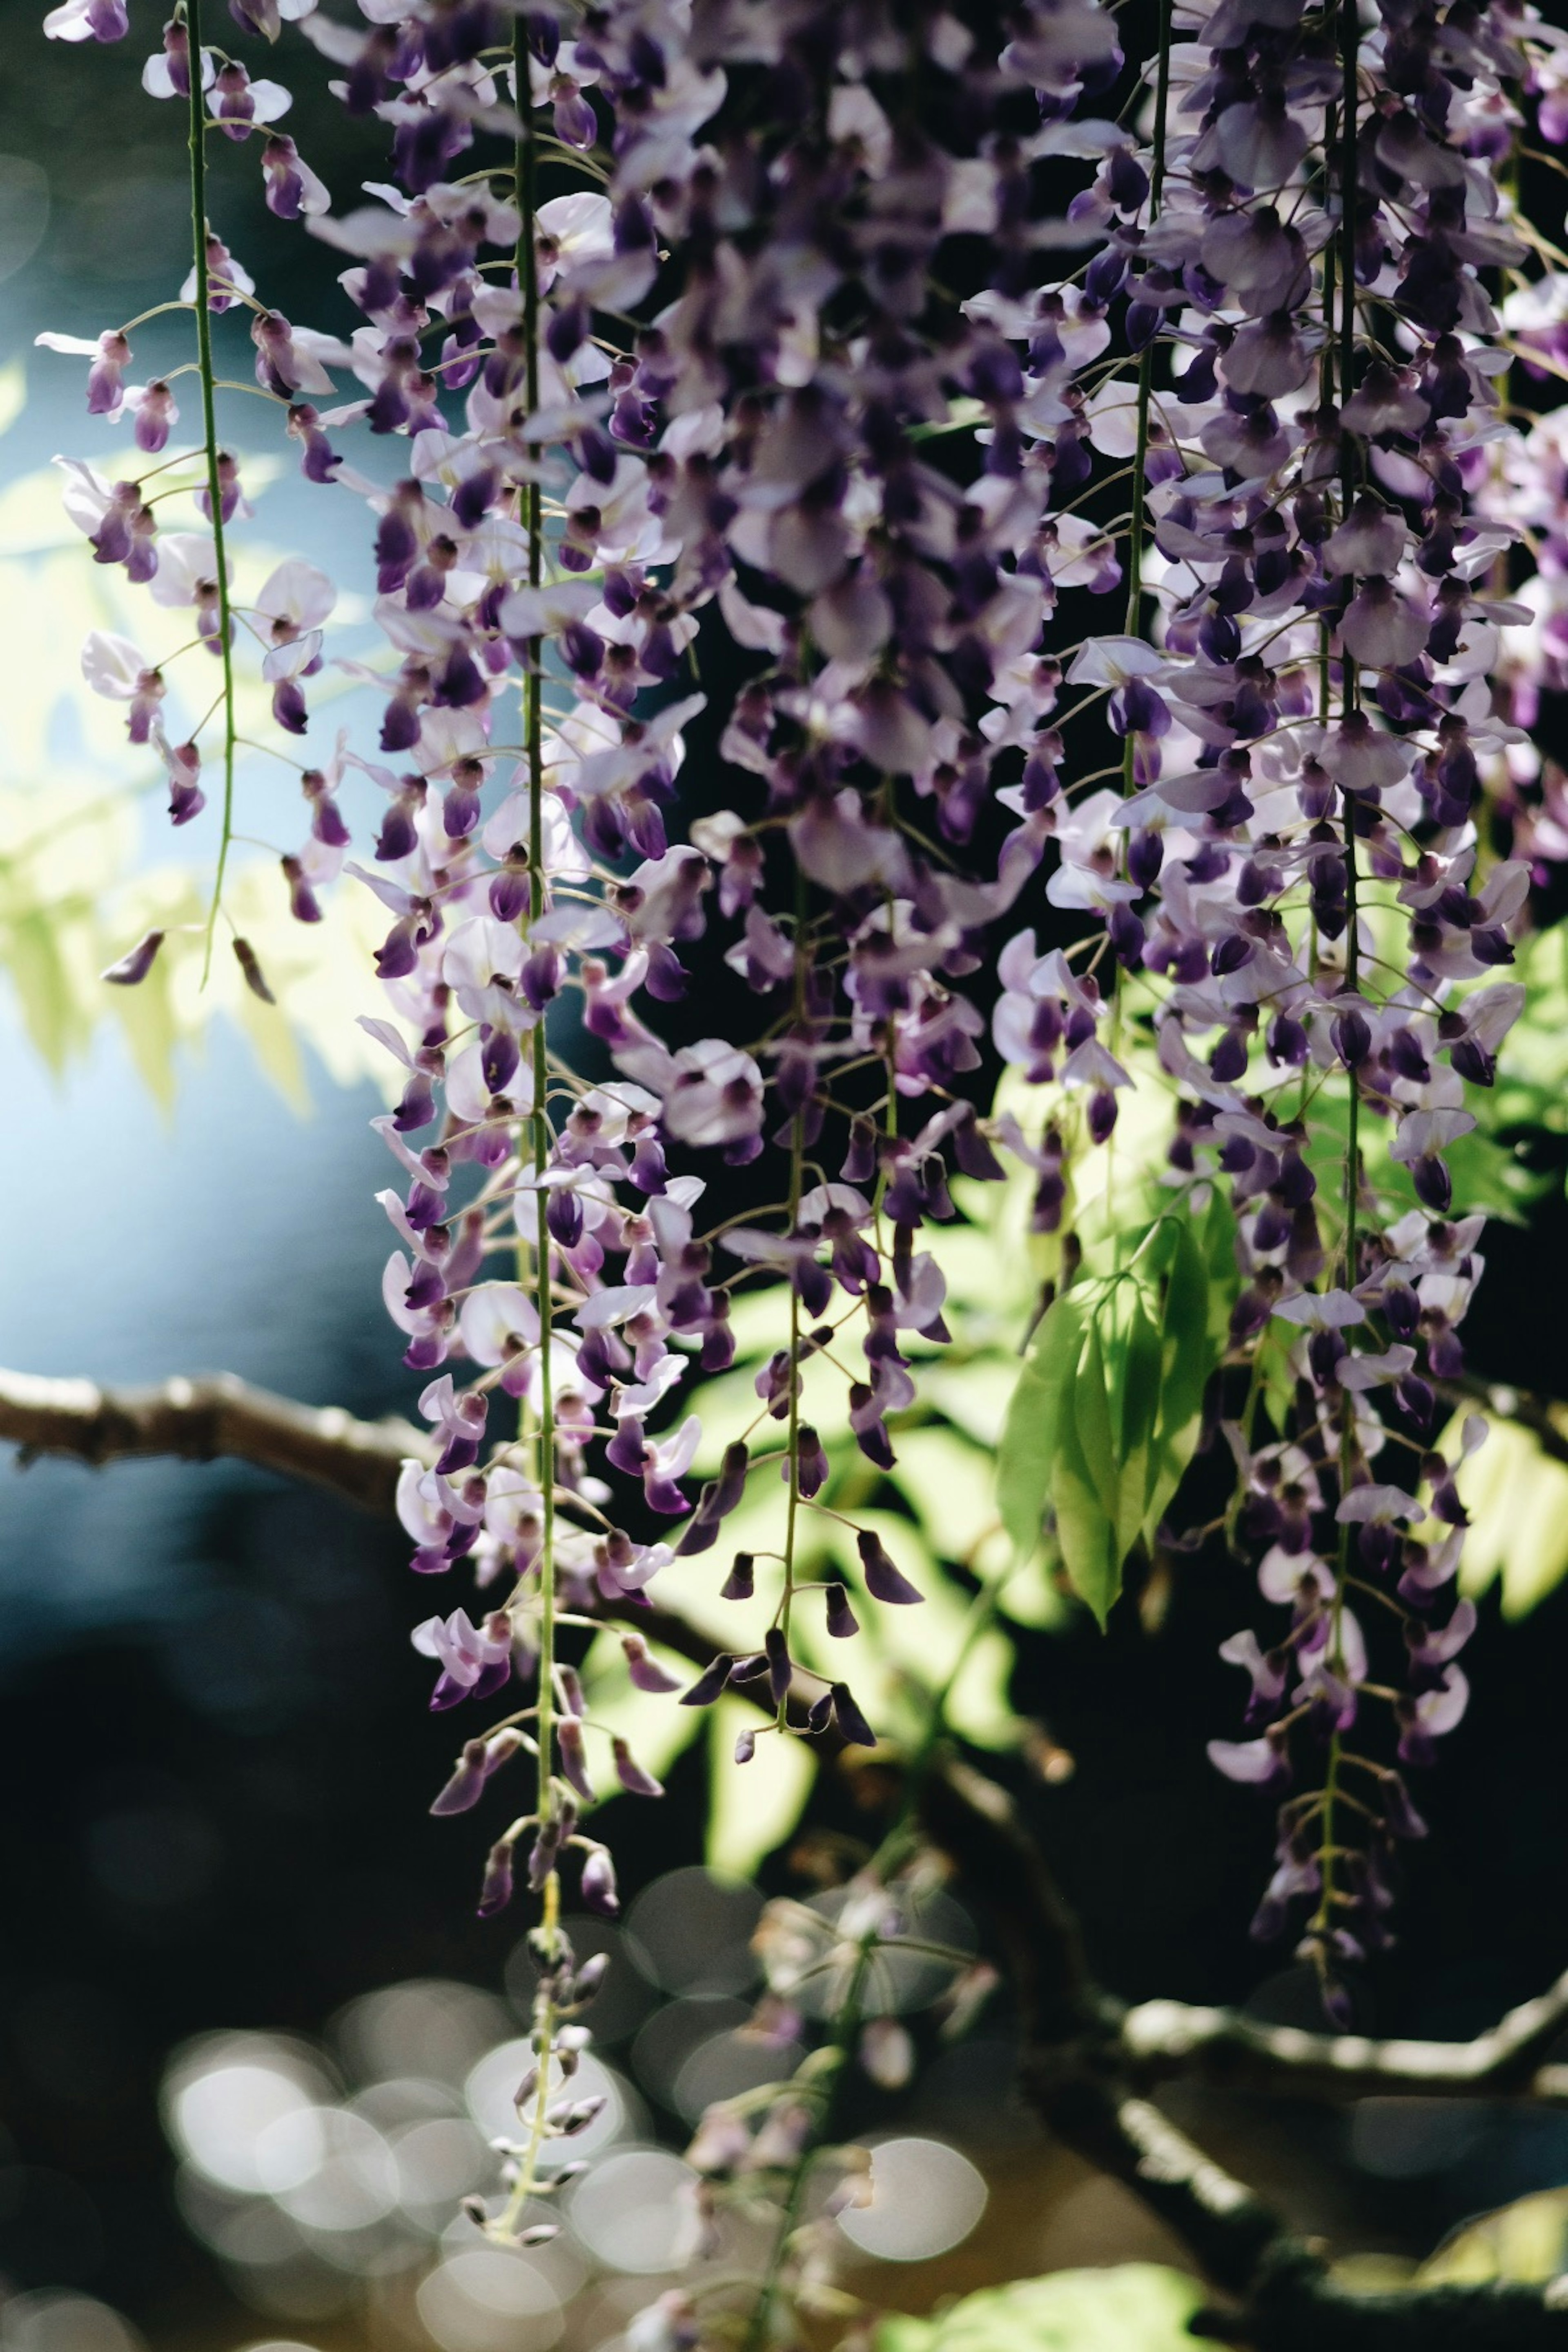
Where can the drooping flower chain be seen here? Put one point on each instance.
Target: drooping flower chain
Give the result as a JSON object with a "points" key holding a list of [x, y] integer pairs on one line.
{"points": [[1286, 897]]}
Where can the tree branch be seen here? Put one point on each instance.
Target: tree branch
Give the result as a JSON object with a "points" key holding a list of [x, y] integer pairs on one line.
{"points": [[218, 1415], [1087, 2058], [203, 1419], [1163, 2038], [1078, 2071]]}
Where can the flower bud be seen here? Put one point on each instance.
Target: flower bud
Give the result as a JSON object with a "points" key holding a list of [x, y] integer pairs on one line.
{"points": [[599, 1882], [496, 1892], [741, 1582], [134, 966], [884, 1582], [255, 978]]}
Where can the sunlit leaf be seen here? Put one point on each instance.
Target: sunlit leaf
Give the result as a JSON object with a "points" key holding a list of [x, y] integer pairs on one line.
{"points": [[1134, 2307], [1198, 1293], [1517, 1497], [31, 953], [949, 1483], [1526, 2241], [1140, 1380], [12, 393], [658, 1729], [1026, 1452], [1085, 1483]]}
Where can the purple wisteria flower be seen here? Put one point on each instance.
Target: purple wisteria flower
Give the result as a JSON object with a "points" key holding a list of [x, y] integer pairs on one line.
{"points": [[1226, 850]]}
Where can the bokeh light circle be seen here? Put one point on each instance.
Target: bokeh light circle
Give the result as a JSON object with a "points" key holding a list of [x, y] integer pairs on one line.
{"points": [[636, 2211], [223, 2092], [48, 2319], [695, 1929], [925, 2198], [486, 2299]]}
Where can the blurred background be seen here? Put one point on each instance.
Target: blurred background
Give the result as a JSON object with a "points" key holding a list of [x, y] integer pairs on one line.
{"points": [[253, 2042]]}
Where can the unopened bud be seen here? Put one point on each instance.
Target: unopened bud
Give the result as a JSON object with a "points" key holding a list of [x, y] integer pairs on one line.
{"points": [[133, 967], [255, 978], [589, 1978], [599, 1883]]}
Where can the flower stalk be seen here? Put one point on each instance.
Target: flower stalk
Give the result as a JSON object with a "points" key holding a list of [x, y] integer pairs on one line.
{"points": [[547, 1939], [191, 10]]}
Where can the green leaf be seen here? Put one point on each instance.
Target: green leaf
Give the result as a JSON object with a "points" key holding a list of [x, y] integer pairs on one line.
{"points": [[948, 1484], [12, 393], [657, 1728], [1093, 1429], [1526, 2241], [43, 988], [146, 1016], [1026, 1452], [1086, 1485], [1517, 1497], [1141, 1382], [1135, 2308]]}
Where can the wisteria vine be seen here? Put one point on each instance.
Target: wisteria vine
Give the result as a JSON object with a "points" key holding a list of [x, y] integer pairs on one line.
{"points": [[786, 384]]}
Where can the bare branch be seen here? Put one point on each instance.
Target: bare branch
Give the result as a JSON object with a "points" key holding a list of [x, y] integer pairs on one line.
{"points": [[218, 1415], [1163, 2038], [1087, 2058], [203, 1419], [1077, 2071]]}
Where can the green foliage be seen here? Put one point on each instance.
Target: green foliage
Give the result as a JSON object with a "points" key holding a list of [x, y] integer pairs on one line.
{"points": [[1106, 1414], [1526, 2241], [1488, 1166], [1517, 1497], [76, 890], [1136, 2307], [1487, 1171]]}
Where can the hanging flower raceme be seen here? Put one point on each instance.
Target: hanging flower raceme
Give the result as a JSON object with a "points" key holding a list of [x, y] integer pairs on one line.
{"points": [[657, 336], [1305, 746]]}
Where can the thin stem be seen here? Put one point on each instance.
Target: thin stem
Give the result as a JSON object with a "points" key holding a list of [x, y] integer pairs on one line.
{"points": [[209, 429], [826, 2086], [526, 166], [796, 1182], [1137, 520], [846, 2024], [1146, 364], [546, 2018], [1349, 32]]}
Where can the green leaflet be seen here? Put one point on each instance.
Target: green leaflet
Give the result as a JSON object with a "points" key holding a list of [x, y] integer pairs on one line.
{"points": [[1108, 1405], [44, 992], [1086, 1484], [1134, 2307], [1142, 1380], [1028, 1442], [1526, 2240]]}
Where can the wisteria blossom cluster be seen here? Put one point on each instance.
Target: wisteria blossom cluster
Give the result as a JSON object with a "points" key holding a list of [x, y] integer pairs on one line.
{"points": [[863, 353]]}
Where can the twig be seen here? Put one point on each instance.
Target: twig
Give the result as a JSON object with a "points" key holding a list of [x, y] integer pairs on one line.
{"points": [[211, 451]]}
